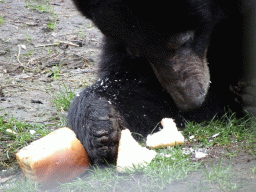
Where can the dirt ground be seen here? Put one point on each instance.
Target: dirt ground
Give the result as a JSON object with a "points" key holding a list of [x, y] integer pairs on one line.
{"points": [[29, 54], [25, 33]]}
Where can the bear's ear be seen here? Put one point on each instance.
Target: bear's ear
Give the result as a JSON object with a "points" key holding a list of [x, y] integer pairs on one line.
{"points": [[185, 76]]}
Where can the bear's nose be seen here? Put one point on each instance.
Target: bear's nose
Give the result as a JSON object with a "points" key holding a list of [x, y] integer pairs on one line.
{"points": [[189, 96], [189, 104]]}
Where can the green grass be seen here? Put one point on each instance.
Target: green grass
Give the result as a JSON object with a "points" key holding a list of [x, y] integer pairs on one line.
{"points": [[254, 170], [43, 6], [38, 5], [221, 176], [165, 170], [63, 98], [56, 72], [162, 171], [14, 135], [53, 22], [2, 20], [24, 185], [229, 130], [29, 38]]}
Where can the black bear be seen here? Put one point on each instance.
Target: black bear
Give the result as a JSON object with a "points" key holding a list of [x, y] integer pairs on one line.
{"points": [[177, 59]]}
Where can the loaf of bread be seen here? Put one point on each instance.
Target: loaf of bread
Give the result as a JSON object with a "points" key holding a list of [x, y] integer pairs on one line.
{"points": [[131, 154], [56, 158], [168, 136]]}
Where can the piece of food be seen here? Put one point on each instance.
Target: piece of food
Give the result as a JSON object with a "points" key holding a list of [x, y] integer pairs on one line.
{"points": [[168, 136], [130, 153], [56, 158]]}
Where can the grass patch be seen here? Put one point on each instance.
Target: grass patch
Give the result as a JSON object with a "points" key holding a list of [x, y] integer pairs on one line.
{"points": [[224, 132], [2, 20], [39, 5], [63, 98], [170, 164], [161, 172], [221, 176], [43, 6], [254, 170], [56, 72], [156, 177], [164, 170], [53, 22], [24, 185], [14, 135]]}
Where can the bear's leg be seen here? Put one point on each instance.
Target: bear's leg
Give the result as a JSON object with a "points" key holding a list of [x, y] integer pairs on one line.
{"points": [[97, 125], [128, 95], [92, 115]]}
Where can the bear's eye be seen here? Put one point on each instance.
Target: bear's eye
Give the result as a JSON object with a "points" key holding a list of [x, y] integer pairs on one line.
{"points": [[180, 39], [185, 38]]}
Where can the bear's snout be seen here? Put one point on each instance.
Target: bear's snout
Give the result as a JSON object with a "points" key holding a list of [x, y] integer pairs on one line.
{"points": [[186, 78]]}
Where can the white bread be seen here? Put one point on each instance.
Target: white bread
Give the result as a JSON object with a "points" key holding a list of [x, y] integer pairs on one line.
{"points": [[130, 153], [168, 136], [56, 158]]}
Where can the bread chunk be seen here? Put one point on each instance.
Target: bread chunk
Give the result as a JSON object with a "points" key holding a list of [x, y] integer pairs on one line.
{"points": [[131, 154], [168, 136], [56, 158]]}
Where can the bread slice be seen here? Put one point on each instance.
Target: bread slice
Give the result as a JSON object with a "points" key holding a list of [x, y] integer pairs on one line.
{"points": [[168, 136], [56, 158], [131, 154]]}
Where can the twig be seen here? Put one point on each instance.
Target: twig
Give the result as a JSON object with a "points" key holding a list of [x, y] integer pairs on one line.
{"points": [[64, 42], [47, 45], [18, 56], [69, 43]]}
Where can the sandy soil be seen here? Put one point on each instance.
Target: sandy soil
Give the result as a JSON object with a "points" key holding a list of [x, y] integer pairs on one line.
{"points": [[31, 54]]}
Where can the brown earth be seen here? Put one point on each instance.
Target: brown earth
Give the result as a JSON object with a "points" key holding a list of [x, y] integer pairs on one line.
{"points": [[36, 60]]}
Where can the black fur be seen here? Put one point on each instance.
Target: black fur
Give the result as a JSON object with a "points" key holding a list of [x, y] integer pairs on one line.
{"points": [[155, 65]]}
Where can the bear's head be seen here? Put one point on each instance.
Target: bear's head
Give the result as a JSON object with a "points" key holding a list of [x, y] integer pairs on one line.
{"points": [[174, 39], [182, 69]]}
